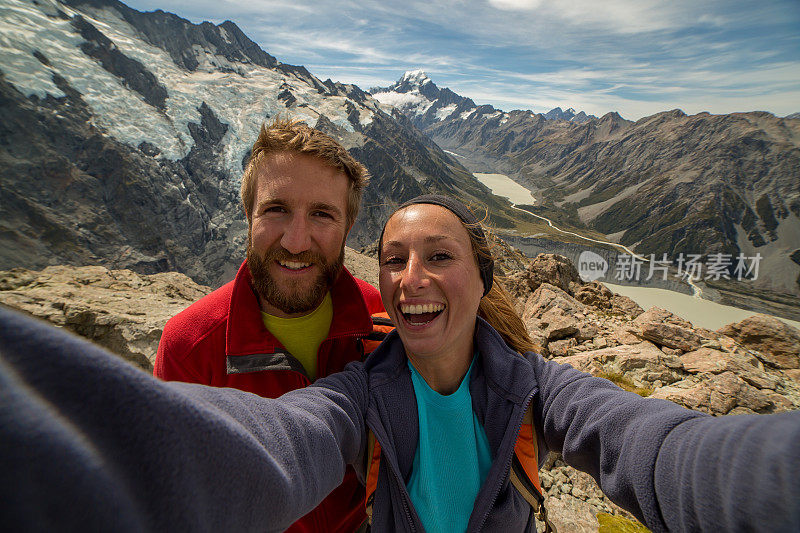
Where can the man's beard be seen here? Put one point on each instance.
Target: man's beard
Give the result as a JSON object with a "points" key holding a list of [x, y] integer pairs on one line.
{"points": [[289, 296]]}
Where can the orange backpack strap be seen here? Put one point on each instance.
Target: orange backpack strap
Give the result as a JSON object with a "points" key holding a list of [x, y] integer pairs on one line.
{"points": [[373, 458], [382, 325], [525, 470]]}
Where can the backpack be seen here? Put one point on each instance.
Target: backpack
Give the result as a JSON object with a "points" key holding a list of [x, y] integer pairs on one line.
{"points": [[524, 474]]}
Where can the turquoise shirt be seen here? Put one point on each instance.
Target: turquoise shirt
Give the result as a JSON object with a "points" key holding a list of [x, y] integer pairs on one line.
{"points": [[452, 459]]}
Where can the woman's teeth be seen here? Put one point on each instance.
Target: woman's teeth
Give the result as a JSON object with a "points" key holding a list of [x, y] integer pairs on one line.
{"points": [[419, 309], [421, 314]]}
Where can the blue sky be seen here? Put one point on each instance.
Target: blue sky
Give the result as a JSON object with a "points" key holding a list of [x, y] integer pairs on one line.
{"points": [[637, 57]]}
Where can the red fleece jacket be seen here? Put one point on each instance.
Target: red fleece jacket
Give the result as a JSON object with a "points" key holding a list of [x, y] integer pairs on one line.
{"points": [[221, 340]]}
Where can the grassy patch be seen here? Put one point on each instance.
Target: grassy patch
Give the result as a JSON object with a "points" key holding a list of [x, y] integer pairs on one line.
{"points": [[619, 524], [624, 383]]}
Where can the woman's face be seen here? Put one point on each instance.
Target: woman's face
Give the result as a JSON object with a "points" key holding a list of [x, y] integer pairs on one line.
{"points": [[429, 281]]}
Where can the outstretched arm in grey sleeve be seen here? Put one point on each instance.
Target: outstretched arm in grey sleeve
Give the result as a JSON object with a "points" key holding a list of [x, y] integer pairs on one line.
{"points": [[675, 469], [88, 442]]}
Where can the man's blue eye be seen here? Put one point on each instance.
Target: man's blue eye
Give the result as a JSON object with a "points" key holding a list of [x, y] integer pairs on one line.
{"points": [[441, 256]]}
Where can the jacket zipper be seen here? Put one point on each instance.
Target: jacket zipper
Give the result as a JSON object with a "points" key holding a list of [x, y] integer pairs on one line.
{"points": [[507, 466], [402, 485]]}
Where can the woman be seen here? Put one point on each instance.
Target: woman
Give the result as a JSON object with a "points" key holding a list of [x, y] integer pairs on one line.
{"points": [[444, 395]]}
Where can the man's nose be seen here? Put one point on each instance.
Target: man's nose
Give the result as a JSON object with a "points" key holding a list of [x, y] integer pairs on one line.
{"points": [[296, 235]]}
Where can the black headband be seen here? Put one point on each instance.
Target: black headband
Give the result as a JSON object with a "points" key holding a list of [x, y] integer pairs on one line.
{"points": [[485, 263]]}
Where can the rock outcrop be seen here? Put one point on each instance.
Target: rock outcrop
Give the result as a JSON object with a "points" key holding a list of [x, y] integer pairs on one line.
{"points": [[120, 310], [777, 343]]}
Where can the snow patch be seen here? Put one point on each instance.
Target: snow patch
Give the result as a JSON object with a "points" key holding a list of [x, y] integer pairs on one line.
{"points": [[241, 95], [404, 101], [444, 112], [465, 115]]}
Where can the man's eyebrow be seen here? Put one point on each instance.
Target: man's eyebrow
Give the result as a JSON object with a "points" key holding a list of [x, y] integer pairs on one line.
{"points": [[322, 206], [273, 201]]}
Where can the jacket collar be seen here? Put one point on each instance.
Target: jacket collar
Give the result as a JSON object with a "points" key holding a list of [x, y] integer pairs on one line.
{"points": [[246, 333], [508, 373]]}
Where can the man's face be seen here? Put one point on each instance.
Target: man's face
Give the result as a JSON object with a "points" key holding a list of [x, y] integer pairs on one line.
{"points": [[296, 239]]}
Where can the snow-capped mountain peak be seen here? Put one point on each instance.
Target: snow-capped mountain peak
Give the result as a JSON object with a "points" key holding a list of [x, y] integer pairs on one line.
{"points": [[418, 97], [417, 77]]}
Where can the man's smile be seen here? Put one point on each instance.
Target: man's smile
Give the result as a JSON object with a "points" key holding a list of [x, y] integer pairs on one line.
{"points": [[294, 265]]}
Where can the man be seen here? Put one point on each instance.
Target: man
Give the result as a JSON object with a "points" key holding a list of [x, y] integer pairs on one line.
{"points": [[293, 313]]}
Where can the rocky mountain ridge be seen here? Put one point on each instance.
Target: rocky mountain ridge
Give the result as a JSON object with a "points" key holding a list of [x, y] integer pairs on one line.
{"points": [[425, 104], [666, 184], [125, 135], [749, 367]]}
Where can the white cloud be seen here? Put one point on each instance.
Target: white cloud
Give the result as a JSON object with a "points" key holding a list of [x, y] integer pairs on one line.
{"points": [[515, 5], [637, 57]]}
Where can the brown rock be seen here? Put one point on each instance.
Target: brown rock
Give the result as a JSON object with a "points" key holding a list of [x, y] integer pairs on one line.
{"points": [[741, 363], [687, 393], [793, 374], [123, 311], [671, 335], [600, 342], [626, 334], [558, 324], [656, 314], [361, 266], [551, 313], [642, 363], [622, 305], [561, 348], [554, 269], [708, 360], [777, 341], [594, 294]]}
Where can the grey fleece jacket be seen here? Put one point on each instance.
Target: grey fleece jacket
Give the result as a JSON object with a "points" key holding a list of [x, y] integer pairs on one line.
{"points": [[88, 443]]}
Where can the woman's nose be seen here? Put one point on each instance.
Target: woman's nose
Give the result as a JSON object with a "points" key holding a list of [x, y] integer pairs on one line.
{"points": [[415, 275]]}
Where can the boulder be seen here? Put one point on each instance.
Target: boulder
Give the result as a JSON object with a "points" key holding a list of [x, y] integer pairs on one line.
{"points": [[593, 293], [719, 394], [553, 269], [671, 336], [561, 348], [778, 343], [123, 311], [622, 305], [553, 314], [642, 363], [666, 329]]}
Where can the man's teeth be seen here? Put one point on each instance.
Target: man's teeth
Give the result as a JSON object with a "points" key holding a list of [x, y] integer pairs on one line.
{"points": [[420, 309], [294, 265]]}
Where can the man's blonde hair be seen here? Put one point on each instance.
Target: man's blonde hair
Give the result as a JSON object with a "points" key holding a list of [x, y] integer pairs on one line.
{"points": [[294, 136]]}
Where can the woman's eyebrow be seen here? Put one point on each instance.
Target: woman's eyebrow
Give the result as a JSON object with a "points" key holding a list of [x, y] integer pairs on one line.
{"points": [[428, 239]]}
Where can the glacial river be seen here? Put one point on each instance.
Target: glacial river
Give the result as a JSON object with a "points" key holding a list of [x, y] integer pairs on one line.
{"points": [[702, 313]]}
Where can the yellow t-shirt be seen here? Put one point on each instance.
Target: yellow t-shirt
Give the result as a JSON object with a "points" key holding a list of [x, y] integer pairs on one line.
{"points": [[302, 336]]}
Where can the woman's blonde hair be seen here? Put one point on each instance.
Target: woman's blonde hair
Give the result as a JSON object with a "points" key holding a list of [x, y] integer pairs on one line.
{"points": [[496, 306]]}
